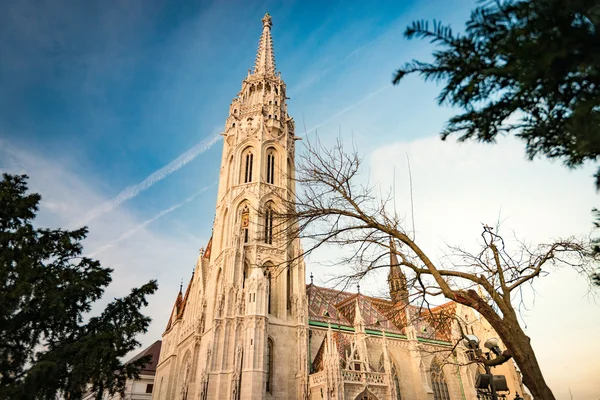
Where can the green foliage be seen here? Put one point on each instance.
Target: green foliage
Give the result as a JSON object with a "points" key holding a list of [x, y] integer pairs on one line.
{"points": [[531, 68], [48, 287]]}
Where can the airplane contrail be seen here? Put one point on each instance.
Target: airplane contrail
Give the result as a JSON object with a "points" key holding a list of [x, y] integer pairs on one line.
{"points": [[131, 191], [350, 107], [135, 229]]}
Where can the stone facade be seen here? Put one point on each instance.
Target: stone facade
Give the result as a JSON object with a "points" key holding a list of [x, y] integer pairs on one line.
{"points": [[248, 326]]}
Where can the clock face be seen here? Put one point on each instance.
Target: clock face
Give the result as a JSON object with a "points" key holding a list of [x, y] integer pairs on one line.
{"points": [[245, 219]]}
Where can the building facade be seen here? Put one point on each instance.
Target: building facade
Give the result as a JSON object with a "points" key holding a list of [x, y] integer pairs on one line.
{"points": [[141, 388], [248, 327]]}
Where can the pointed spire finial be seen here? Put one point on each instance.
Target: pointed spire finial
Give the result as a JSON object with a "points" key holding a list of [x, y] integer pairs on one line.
{"points": [[311, 278], [181, 286], [267, 21], [265, 60], [358, 287]]}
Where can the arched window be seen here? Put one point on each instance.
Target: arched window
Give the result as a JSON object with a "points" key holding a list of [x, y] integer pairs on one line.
{"points": [[269, 287], [438, 382], [245, 274], [245, 222], [230, 171], [290, 175], [269, 224], [396, 382], [248, 160], [271, 166], [269, 365], [288, 285]]}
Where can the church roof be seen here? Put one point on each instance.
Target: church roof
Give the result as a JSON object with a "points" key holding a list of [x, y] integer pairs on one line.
{"points": [[180, 303], [338, 307], [154, 351]]}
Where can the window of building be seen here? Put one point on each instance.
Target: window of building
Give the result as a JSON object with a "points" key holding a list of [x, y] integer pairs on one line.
{"points": [[269, 225], [245, 222], [269, 365], [149, 388], [438, 382], [289, 289], [271, 166], [269, 292], [396, 382], [248, 162]]}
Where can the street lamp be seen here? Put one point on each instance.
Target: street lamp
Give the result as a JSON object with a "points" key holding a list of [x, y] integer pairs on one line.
{"points": [[493, 345], [488, 380]]}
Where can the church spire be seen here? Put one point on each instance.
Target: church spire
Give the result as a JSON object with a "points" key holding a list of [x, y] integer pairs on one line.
{"points": [[396, 278], [265, 59]]}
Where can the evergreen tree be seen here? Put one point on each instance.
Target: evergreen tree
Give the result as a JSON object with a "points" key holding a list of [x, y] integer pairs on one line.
{"points": [[48, 288], [529, 68]]}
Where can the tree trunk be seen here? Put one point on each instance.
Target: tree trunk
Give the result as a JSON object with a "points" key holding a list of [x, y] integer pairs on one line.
{"points": [[515, 340], [520, 346]]}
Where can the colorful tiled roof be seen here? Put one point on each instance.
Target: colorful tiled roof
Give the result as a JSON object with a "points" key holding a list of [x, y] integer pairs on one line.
{"points": [[337, 307]]}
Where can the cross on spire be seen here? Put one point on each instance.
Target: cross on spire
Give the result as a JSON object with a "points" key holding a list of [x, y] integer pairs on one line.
{"points": [[265, 59]]}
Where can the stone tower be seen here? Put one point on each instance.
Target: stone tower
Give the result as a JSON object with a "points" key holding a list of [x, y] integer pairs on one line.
{"points": [[240, 329], [396, 278]]}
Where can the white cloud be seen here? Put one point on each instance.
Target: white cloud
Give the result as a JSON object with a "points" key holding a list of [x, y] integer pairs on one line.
{"points": [[457, 187], [137, 256], [137, 228], [132, 191]]}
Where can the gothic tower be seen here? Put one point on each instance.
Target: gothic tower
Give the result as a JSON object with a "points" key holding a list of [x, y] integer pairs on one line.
{"points": [[240, 330], [396, 278]]}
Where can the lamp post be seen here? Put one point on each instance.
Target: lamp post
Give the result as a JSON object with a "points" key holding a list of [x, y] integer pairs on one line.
{"points": [[472, 342]]}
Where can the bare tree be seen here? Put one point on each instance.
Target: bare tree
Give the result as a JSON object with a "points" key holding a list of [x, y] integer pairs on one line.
{"points": [[333, 207]]}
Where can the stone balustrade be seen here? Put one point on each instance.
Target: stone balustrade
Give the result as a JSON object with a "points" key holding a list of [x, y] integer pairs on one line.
{"points": [[348, 376], [316, 379]]}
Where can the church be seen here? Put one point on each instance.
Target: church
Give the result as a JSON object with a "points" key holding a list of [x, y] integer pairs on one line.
{"points": [[249, 327]]}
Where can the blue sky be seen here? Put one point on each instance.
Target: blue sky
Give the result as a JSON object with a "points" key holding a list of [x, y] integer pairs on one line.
{"points": [[97, 96]]}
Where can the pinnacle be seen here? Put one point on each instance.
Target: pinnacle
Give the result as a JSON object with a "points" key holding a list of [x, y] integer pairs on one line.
{"points": [[265, 59]]}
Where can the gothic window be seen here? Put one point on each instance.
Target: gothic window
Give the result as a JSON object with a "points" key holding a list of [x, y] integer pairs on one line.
{"points": [[271, 166], [438, 382], [396, 382], [289, 289], [245, 223], [248, 160], [269, 224], [269, 287], [290, 174], [269, 365], [230, 170]]}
